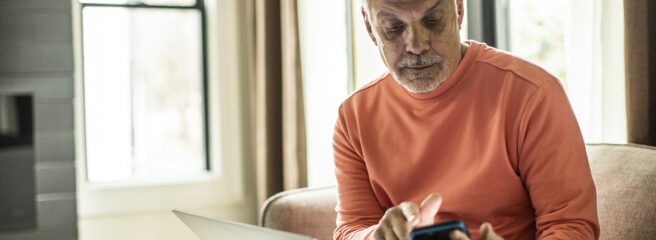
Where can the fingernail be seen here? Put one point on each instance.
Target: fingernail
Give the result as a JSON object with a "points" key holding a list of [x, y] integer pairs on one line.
{"points": [[486, 226]]}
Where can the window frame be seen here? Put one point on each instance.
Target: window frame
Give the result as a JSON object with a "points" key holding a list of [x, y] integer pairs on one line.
{"points": [[227, 137], [200, 7], [488, 22]]}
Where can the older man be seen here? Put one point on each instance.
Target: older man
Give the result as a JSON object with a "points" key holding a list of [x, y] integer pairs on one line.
{"points": [[471, 132]]}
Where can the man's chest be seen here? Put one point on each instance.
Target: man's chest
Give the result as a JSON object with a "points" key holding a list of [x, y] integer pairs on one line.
{"points": [[468, 154]]}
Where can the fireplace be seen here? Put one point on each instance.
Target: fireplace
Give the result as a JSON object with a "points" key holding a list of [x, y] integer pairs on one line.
{"points": [[17, 182]]}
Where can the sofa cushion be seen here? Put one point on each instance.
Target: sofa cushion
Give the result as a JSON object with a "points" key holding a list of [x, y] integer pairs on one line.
{"points": [[625, 178], [308, 211]]}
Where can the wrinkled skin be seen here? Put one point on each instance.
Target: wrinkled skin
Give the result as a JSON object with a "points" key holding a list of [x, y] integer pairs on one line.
{"points": [[418, 41]]}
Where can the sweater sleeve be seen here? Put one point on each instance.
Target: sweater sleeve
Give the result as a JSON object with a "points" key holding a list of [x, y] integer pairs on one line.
{"points": [[358, 210], [554, 167]]}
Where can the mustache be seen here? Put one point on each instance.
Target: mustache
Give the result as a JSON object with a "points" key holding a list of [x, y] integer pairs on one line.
{"points": [[419, 60]]}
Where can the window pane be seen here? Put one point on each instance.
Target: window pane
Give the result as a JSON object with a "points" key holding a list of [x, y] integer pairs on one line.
{"points": [[143, 93], [149, 2], [537, 33]]}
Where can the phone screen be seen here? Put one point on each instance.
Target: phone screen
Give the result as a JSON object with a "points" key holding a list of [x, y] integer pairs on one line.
{"points": [[438, 231]]}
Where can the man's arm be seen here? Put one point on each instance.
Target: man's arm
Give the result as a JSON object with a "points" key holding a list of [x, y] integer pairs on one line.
{"points": [[358, 210], [554, 167]]}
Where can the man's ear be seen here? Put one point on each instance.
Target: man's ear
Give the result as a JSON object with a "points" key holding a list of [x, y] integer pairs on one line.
{"points": [[368, 25], [460, 8]]}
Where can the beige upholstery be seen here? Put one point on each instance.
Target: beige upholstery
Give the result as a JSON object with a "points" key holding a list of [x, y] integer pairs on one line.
{"points": [[625, 176], [308, 211]]}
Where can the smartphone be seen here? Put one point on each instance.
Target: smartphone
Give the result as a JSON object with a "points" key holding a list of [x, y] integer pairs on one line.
{"points": [[439, 231]]}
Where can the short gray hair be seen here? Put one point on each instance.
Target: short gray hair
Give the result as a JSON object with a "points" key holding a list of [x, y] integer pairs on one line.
{"points": [[365, 5]]}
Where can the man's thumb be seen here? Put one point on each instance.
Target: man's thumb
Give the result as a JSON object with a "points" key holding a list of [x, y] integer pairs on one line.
{"points": [[488, 233], [429, 208]]}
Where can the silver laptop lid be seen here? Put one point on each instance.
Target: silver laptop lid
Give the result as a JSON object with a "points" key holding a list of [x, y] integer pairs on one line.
{"points": [[209, 228]]}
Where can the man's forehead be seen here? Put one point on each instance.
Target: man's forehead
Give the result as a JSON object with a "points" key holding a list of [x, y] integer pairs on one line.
{"points": [[407, 1], [402, 2], [392, 6]]}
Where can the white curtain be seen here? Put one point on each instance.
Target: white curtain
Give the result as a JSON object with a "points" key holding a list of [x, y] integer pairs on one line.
{"points": [[595, 69], [325, 74]]}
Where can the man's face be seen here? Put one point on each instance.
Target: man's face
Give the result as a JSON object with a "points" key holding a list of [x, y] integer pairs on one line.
{"points": [[418, 40]]}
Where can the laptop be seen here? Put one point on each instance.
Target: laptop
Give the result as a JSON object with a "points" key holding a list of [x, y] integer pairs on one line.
{"points": [[210, 228]]}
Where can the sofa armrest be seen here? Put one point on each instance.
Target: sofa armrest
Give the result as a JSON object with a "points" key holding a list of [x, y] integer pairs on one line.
{"points": [[307, 211]]}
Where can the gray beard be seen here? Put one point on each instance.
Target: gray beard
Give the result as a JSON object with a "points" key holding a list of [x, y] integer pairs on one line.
{"points": [[422, 85]]}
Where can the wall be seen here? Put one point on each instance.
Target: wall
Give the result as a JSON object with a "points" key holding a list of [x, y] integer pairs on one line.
{"points": [[36, 56]]}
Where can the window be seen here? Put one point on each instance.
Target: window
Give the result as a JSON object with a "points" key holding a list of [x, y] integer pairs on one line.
{"points": [[144, 89], [537, 32], [212, 54]]}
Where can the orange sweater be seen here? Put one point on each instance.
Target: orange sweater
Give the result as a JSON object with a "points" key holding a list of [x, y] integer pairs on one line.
{"points": [[497, 139]]}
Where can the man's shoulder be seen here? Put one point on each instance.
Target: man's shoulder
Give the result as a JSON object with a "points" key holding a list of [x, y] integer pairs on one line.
{"points": [[520, 67], [368, 91]]}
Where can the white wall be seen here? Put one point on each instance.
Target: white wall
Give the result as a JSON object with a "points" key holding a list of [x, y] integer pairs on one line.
{"points": [[36, 57]]}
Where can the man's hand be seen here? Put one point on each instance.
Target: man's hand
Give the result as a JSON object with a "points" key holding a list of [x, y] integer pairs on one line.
{"points": [[398, 221], [486, 234]]}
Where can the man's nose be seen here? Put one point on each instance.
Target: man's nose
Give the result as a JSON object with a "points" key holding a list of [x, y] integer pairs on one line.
{"points": [[417, 40]]}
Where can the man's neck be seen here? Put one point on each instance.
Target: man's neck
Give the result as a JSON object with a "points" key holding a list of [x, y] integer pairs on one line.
{"points": [[463, 50]]}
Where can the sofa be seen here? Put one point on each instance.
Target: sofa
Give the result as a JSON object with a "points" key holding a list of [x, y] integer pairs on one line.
{"points": [[624, 175]]}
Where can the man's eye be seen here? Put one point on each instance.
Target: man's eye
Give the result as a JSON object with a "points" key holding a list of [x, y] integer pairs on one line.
{"points": [[395, 28], [431, 21]]}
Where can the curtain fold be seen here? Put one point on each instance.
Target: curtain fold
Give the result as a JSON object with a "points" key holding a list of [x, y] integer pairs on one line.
{"points": [[640, 54], [280, 149], [294, 142]]}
